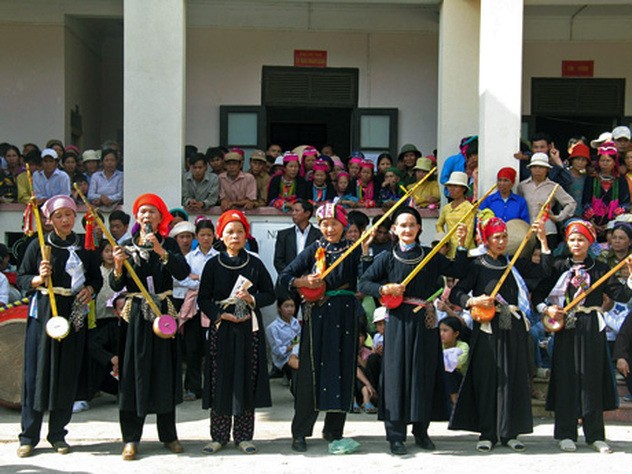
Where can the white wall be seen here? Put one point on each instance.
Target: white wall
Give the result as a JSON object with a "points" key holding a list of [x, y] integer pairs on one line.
{"points": [[396, 70], [112, 89], [544, 59], [32, 83]]}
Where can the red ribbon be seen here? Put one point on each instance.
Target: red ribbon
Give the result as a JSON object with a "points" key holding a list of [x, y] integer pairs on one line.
{"points": [[88, 243]]}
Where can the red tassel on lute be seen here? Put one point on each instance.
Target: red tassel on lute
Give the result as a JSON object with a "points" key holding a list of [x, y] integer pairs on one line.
{"points": [[88, 243]]}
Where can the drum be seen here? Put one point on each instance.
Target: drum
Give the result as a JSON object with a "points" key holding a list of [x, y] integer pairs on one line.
{"points": [[12, 334], [517, 230]]}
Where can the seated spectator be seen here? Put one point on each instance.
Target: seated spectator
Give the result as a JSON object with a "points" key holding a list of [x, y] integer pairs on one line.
{"points": [[29, 147], [455, 355], [542, 143], [536, 190], [178, 215], [627, 162], [353, 166], [390, 192], [287, 187], [579, 159], [8, 187], [621, 138], [308, 158], [237, 189], [34, 160], [69, 164], [407, 159], [215, 159], [119, 226], [90, 160], [452, 212], [343, 196], [365, 190], [84, 186], [382, 239], [338, 166], [282, 335], [274, 151], [200, 187], [606, 194], [56, 145], [427, 195], [384, 161], [13, 160], [357, 224], [106, 186], [504, 203], [319, 190], [365, 392], [4, 289], [259, 170], [50, 181]]}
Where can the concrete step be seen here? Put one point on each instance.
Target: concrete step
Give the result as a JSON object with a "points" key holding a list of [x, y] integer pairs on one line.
{"points": [[622, 414]]}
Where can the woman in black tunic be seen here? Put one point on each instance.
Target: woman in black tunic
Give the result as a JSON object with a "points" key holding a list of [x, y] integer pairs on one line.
{"points": [[238, 379], [329, 336], [51, 367], [494, 398], [582, 383], [150, 378], [411, 386]]}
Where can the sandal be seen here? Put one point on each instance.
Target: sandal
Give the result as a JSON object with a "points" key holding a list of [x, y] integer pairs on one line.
{"points": [[247, 447], [567, 445], [356, 408], [212, 447], [516, 445], [370, 408], [602, 447], [484, 446]]}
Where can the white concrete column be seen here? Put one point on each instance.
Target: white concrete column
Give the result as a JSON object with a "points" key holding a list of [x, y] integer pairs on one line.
{"points": [[458, 74], [153, 102], [500, 83]]}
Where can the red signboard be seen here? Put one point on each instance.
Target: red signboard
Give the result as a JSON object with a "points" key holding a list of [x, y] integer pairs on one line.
{"points": [[310, 58], [578, 68]]}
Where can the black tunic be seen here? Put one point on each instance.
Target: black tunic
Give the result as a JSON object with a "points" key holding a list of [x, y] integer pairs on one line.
{"points": [[329, 335], [496, 382], [58, 362], [237, 385], [150, 379], [412, 387], [581, 372]]}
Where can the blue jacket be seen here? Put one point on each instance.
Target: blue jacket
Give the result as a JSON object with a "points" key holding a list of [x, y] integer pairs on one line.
{"points": [[514, 208]]}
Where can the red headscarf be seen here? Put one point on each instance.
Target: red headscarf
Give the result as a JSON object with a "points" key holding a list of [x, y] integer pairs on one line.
{"points": [[584, 228], [232, 216], [155, 200], [507, 173], [491, 226]]}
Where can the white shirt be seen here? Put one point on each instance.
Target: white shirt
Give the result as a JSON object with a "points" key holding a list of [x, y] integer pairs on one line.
{"points": [[301, 237], [196, 260], [4, 289]]}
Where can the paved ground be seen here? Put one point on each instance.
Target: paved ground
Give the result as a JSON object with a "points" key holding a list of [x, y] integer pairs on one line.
{"points": [[94, 436]]}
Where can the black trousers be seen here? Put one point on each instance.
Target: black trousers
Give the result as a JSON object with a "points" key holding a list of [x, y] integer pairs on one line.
{"points": [[32, 419], [566, 424], [193, 348], [132, 426], [396, 430], [305, 412]]}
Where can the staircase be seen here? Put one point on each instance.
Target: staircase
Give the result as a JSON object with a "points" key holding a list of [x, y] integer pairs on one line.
{"points": [[622, 414]]}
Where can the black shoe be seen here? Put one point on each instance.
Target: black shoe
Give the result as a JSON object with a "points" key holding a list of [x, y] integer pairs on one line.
{"points": [[398, 448], [275, 373], [329, 437], [424, 442], [299, 445]]}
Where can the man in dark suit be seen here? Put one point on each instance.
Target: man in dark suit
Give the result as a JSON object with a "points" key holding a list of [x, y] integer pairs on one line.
{"points": [[290, 242]]}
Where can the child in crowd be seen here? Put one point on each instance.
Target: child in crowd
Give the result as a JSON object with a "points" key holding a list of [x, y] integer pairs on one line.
{"points": [[384, 162], [578, 159], [390, 192], [374, 361], [382, 238], [365, 190], [282, 335], [358, 222], [455, 354], [343, 196], [364, 388], [355, 160], [320, 189], [627, 161], [308, 159]]}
